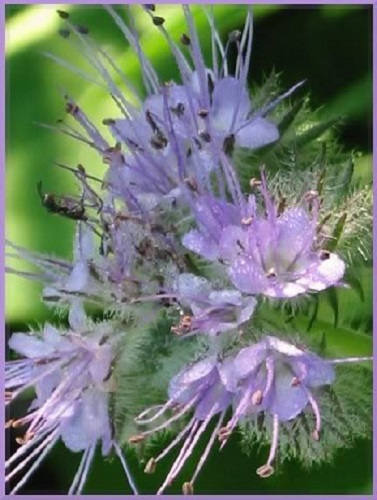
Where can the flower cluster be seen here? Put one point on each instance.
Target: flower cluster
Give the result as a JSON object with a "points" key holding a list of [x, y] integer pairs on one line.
{"points": [[69, 372], [170, 227], [272, 377]]}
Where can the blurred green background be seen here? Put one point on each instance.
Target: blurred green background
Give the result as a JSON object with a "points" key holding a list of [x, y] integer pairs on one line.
{"points": [[328, 45]]}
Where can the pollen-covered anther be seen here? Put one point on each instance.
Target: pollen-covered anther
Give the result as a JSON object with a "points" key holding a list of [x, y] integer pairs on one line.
{"points": [[187, 488], [185, 40], [18, 423], [223, 433], [27, 437], [246, 221], [151, 466], [158, 21], [137, 438], [9, 423], [254, 183], [271, 273], [257, 397], [265, 471]]}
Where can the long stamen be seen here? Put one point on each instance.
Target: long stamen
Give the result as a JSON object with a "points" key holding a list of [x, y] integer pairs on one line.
{"points": [[22, 464], [150, 78], [267, 470], [224, 436], [351, 359], [177, 460], [35, 465], [207, 450], [125, 467], [78, 472], [315, 407], [85, 471], [174, 417], [270, 367], [175, 441], [195, 439]]}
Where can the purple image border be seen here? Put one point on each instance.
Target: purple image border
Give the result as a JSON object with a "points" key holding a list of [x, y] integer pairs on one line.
{"points": [[2, 231]]}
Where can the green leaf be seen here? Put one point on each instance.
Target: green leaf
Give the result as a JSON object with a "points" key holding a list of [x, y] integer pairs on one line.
{"points": [[332, 297], [314, 132], [337, 233], [290, 116]]}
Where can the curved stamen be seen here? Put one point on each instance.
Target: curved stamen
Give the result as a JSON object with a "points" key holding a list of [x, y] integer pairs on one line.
{"points": [[175, 441], [208, 448], [181, 453], [351, 359], [53, 439], [315, 407], [267, 470]]}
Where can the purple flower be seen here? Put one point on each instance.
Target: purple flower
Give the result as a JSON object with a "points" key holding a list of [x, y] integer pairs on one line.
{"points": [[271, 376], [213, 311], [179, 133], [275, 254], [204, 387], [68, 373], [280, 380]]}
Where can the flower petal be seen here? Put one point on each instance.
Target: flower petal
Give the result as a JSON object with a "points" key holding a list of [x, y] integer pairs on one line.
{"points": [[30, 346], [257, 133]]}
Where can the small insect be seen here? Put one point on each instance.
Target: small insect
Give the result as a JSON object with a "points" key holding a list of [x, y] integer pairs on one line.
{"points": [[62, 205]]}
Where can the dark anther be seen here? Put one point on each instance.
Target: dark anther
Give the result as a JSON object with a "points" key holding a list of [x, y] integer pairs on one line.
{"points": [[211, 85], [324, 255], [234, 36], [151, 122], [71, 108], [82, 29], [159, 142], [108, 121], [185, 40], [228, 144], [64, 33], [203, 113], [198, 143], [271, 273], [205, 136], [179, 109], [188, 153], [158, 21], [63, 14], [191, 183], [240, 245], [150, 6]]}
